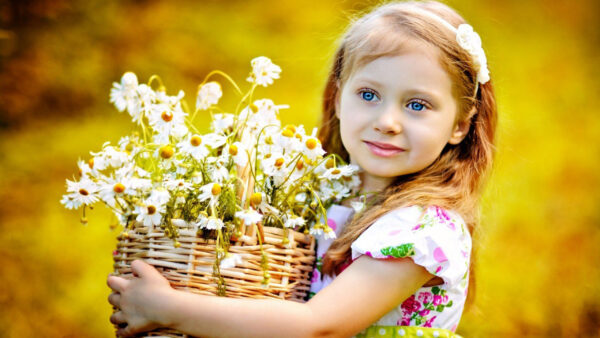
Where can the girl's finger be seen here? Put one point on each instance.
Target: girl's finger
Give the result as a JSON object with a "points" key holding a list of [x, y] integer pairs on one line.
{"points": [[142, 269], [115, 299], [118, 318], [118, 284]]}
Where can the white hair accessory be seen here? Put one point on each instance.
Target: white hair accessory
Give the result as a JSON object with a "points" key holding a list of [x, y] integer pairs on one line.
{"points": [[470, 41]]}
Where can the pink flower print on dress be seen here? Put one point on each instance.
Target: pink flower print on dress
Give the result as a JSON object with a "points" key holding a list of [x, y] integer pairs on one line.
{"points": [[424, 312], [410, 305], [332, 224], [442, 214], [425, 297], [395, 232], [429, 321], [404, 321], [437, 300], [417, 227], [439, 256], [315, 276]]}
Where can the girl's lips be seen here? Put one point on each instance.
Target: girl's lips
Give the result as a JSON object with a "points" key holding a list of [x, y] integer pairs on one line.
{"points": [[383, 149]]}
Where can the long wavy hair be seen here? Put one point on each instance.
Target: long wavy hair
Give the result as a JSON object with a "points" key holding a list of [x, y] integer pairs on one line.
{"points": [[454, 180]]}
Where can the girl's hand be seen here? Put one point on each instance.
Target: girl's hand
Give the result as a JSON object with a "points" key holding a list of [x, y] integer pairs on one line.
{"points": [[139, 299]]}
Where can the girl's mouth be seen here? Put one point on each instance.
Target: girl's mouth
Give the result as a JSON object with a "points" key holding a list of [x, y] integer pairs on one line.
{"points": [[383, 149]]}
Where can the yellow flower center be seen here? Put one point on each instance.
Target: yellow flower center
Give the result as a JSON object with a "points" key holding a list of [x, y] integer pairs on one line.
{"points": [[118, 188], [329, 164], [166, 152], [196, 140], [335, 171], [166, 116], [254, 108], [311, 143], [300, 164], [151, 210], [216, 189], [83, 192], [255, 199], [279, 162], [233, 150], [91, 163], [291, 127], [269, 140], [287, 133]]}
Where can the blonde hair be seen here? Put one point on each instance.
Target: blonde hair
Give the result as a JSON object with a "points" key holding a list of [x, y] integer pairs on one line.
{"points": [[454, 180]]}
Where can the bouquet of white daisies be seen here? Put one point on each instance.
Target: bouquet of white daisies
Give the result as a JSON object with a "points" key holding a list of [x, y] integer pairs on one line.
{"points": [[249, 171]]}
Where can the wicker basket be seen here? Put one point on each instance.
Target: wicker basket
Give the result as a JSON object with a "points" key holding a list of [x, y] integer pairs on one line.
{"points": [[190, 266]]}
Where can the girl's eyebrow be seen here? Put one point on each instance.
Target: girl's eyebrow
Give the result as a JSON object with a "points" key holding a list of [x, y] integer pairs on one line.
{"points": [[368, 80]]}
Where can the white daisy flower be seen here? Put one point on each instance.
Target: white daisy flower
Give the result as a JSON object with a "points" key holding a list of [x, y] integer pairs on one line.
{"points": [[82, 192], [238, 152], [263, 71], [142, 185], [160, 197], [333, 173], [167, 122], [214, 140], [113, 189], [170, 100], [213, 223], [123, 94], [211, 192], [328, 233], [222, 122], [87, 169], [150, 213], [208, 95], [249, 217], [193, 145], [293, 221], [231, 261], [177, 184], [312, 148], [143, 104]]}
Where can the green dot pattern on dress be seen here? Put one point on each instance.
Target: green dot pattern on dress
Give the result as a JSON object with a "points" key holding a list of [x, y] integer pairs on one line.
{"points": [[405, 331]]}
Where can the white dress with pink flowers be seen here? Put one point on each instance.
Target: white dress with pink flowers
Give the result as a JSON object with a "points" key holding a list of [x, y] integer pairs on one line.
{"points": [[434, 238]]}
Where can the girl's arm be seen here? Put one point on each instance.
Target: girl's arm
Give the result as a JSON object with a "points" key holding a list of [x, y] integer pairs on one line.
{"points": [[363, 293]]}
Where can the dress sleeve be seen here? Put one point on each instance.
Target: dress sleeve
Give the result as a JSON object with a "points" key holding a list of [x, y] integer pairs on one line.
{"points": [[434, 238]]}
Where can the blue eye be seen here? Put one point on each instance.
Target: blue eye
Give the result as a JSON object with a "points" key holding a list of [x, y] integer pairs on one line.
{"points": [[368, 95], [416, 106]]}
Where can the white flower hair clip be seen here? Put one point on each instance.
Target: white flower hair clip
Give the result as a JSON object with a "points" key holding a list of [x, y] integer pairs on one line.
{"points": [[470, 41]]}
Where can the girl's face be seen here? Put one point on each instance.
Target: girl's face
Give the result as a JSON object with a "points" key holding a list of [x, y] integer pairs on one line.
{"points": [[396, 115]]}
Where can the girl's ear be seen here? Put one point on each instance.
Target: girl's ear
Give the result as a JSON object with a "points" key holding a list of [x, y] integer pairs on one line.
{"points": [[462, 129]]}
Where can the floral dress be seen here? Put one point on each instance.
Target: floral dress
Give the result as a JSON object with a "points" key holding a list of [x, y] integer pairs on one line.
{"points": [[434, 238]]}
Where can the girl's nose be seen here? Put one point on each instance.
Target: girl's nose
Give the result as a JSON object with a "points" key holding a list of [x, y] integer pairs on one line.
{"points": [[388, 121]]}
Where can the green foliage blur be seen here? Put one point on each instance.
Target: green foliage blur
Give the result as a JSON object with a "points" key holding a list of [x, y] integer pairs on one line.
{"points": [[537, 264]]}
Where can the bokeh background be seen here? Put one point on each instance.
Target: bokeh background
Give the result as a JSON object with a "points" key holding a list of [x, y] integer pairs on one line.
{"points": [[537, 269]]}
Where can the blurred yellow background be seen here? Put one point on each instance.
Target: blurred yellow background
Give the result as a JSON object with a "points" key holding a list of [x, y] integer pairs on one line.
{"points": [[537, 269]]}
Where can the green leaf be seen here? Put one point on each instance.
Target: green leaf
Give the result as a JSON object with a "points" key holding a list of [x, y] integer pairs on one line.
{"points": [[449, 304], [404, 250], [435, 290]]}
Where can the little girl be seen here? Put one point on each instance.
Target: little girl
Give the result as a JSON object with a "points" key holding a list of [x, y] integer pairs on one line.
{"points": [[409, 101]]}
